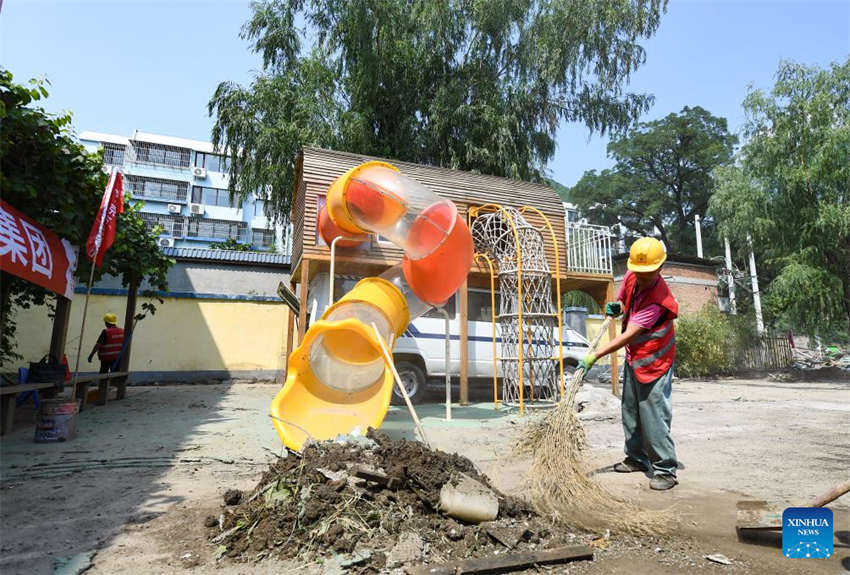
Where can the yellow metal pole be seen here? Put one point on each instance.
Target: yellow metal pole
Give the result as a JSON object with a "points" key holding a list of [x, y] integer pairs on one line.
{"points": [[558, 291], [493, 318]]}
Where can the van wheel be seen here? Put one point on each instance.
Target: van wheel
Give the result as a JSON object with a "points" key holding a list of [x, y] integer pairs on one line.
{"points": [[413, 380]]}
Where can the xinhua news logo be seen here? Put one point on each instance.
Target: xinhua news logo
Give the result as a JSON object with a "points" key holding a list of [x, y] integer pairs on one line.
{"points": [[807, 532]]}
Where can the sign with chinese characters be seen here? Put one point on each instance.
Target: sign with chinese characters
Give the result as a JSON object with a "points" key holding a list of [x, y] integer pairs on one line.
{"points": [[36, 254]]}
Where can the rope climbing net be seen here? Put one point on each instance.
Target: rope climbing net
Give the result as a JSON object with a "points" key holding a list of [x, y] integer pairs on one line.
{"points": [[527, 317]]}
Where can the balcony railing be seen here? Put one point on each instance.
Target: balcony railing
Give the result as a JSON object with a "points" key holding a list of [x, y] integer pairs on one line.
{"points": [[588, 248]]}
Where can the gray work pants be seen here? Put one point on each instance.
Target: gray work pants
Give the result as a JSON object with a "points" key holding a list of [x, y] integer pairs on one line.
{"points": [[647, 414]]}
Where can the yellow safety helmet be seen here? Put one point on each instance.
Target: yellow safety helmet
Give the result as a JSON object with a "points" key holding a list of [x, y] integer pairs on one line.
{"points": [[646, 255], [110, 318]]}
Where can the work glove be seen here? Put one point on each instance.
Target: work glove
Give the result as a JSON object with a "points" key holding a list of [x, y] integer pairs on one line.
{"points": [[613, 309], [587, 362]]}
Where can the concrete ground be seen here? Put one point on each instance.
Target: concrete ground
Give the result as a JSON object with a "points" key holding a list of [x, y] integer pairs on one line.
{"points": [[129, 494]]}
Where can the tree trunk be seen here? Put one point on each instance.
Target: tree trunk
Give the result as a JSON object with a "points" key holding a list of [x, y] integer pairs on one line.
{"points": [[5, 311], [129, 313]]}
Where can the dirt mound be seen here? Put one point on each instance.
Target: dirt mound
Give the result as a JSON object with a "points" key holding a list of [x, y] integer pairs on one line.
{"points": [[317, 509]]}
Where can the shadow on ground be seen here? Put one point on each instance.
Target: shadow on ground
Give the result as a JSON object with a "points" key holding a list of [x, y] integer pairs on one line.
{"points": [[58, 500]]}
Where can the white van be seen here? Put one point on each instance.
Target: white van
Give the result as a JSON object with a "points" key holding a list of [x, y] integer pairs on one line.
{"points": [[420, 353]]}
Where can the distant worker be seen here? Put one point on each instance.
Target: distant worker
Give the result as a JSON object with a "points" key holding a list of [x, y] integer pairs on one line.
{"points": [[109, 344], [650, 343]]}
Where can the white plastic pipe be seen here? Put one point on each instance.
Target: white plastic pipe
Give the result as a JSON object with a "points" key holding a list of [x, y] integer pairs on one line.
{"points": [[699, 235], [448, 363], [730, 277], [755, 280]]}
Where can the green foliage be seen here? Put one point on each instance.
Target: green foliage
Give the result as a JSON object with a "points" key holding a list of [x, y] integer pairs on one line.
{"points": [[790, 194], [662, 179], [480, 86], [704, 344], [48, 175], [578, 298], [562, 190], [230, 244]]}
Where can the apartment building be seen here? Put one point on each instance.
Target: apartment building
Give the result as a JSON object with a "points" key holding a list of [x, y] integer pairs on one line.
{"points": [[184, 187]]}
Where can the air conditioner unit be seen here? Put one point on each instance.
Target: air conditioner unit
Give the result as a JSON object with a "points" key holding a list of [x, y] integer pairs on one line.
{"points": [[196, 209], [199, 172], [173, 208], [166, 242]]}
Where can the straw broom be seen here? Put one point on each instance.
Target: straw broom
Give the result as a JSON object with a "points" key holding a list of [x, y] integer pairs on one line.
{"points": [[559, 477]]}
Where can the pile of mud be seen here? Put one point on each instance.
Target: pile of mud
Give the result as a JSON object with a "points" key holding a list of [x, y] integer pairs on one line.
{"points": [[314, 508]]}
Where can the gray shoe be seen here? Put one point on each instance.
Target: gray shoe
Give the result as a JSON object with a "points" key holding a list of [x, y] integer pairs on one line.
{"points": [[628, 466], [662, 482]]}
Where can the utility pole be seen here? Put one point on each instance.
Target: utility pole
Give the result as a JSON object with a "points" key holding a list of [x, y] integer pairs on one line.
{"points": [[730, 278], [699, 235], [755, 280]]}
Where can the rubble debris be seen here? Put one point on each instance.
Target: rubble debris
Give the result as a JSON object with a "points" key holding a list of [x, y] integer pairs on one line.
{"points": [[408, 550], [232, 497], [809, 359], [384, 511], [718, 558]]}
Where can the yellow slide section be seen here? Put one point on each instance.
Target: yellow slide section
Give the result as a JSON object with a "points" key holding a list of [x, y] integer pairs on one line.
{"points": [[337, 380]]}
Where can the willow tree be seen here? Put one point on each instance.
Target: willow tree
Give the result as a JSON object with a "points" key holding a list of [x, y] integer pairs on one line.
{"points": [[791, 193], [474, 85]]}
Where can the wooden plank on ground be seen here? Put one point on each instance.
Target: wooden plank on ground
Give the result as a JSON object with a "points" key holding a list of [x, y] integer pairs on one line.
{"points": [[387, 481], [507, 562]]}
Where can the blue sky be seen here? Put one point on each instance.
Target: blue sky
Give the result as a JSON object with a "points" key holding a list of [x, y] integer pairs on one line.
{"points": [[152, 66]]}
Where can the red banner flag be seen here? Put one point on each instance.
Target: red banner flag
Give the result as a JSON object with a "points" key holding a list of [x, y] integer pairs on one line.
{"points": [[102, 233], [34, 253]]}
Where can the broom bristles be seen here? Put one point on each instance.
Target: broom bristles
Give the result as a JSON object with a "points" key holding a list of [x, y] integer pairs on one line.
{"points": [[560, 484]]}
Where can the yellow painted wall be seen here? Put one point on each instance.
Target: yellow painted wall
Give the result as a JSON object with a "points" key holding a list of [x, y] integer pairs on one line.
{"points": [[183, 335]]}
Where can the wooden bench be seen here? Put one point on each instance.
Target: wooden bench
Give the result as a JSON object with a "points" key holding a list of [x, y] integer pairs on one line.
{"points": [[103, 380], [9, 393], [8, 397]]}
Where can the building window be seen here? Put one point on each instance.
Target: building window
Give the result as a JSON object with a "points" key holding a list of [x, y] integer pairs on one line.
{"points": [[161, 154], [262, 239], [157, 188], [572, 215], [212, 162], [113, 154], [259, 208], [212, 197], [168, 225], [480, 306], [218, 230]]}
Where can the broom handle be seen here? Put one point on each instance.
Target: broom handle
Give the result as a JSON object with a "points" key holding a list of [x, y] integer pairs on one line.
{"points": [[579, 374], [602, 330], [831, 495]]}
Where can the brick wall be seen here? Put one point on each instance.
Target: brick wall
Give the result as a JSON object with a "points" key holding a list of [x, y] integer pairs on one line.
{"points": [[693, 281]]}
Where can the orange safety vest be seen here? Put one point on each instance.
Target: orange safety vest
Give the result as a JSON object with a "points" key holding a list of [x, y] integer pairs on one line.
{"points": [[110, 349], [653, 351]]}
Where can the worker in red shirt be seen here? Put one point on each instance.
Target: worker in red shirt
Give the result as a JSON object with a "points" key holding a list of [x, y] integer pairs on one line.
{"points": [[109, 344], [649, 309]]}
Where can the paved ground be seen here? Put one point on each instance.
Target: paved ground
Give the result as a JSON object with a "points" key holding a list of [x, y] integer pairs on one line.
{"points": [[154, 465]]}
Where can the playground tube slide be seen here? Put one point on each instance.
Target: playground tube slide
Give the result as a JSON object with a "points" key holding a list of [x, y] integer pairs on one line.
{"points": [[338, 380]]}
